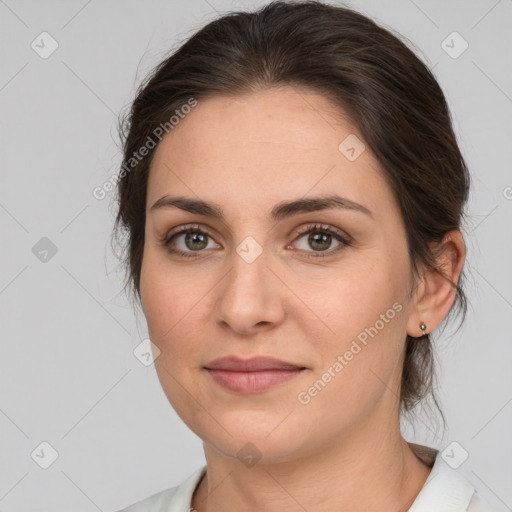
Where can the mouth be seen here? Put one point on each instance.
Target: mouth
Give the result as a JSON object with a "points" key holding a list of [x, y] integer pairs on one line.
{"points": [[251, 375]]}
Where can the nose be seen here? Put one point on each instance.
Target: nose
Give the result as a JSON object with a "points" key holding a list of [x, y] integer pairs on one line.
{"points": [[251, 296]]}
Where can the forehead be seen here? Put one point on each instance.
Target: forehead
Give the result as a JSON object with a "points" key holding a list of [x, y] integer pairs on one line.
{"points": [[250, 150]]}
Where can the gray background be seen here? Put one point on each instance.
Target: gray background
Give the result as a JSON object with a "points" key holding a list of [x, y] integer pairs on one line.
{"points": [[68, 375]]}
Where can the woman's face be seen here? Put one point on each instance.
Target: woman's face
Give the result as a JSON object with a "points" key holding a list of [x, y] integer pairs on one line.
{"points": [[264, 281]]}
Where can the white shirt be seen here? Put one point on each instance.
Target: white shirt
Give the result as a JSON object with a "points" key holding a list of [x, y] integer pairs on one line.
{"points": [[445, 490]]}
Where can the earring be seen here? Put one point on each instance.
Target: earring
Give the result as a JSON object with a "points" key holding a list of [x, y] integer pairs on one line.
{"points": [[423, 327]]}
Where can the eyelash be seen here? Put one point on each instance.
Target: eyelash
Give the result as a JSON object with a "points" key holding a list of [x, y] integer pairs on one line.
{"points": [[315, 228]]}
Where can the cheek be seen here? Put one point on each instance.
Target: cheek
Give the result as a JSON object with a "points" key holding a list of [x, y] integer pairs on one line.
{"points": [[165, 299], [355, 299], [175, 309], [363, 317], [360, 364]]}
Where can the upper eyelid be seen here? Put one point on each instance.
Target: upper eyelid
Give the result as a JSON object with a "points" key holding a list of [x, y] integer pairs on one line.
{"points": [[319, 226]]}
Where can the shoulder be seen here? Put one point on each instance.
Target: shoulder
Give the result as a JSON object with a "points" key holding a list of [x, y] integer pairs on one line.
{"points": [[174, 499]]}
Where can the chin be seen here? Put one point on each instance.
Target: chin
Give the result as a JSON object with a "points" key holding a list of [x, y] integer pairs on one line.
{"points": [[254, 437], [256, 450]]}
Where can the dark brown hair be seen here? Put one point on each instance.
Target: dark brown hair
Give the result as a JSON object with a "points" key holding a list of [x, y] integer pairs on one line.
{"points": [[389, 94]]}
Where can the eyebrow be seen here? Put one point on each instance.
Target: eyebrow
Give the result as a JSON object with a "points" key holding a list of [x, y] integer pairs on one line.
{"points": [[279, 212]]}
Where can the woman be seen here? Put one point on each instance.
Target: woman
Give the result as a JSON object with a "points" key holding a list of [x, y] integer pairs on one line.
{"points": [[292, 193]]}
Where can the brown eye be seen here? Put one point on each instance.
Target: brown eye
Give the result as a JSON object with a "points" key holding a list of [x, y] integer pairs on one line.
{"points": [[320, 239], [196, 241], [191, 239], [188, 240]]}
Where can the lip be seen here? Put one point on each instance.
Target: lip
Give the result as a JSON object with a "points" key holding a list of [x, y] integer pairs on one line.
{"points": [[251, 375], [254, 364]]}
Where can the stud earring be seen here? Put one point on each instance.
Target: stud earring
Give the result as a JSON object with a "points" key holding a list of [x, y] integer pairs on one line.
{"points": [[423, 327]]}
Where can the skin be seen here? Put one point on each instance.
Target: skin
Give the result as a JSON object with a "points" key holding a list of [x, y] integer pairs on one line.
{"points": [[343, 450]]}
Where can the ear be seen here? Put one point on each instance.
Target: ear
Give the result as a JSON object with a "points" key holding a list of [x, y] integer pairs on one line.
{"points": [[436, 292]]}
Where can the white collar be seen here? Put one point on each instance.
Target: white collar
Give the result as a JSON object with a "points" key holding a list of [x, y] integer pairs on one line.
{"points": [[445, 490]]}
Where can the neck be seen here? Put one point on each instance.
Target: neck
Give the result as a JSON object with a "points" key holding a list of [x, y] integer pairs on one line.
{"points": [[359, 472]]}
